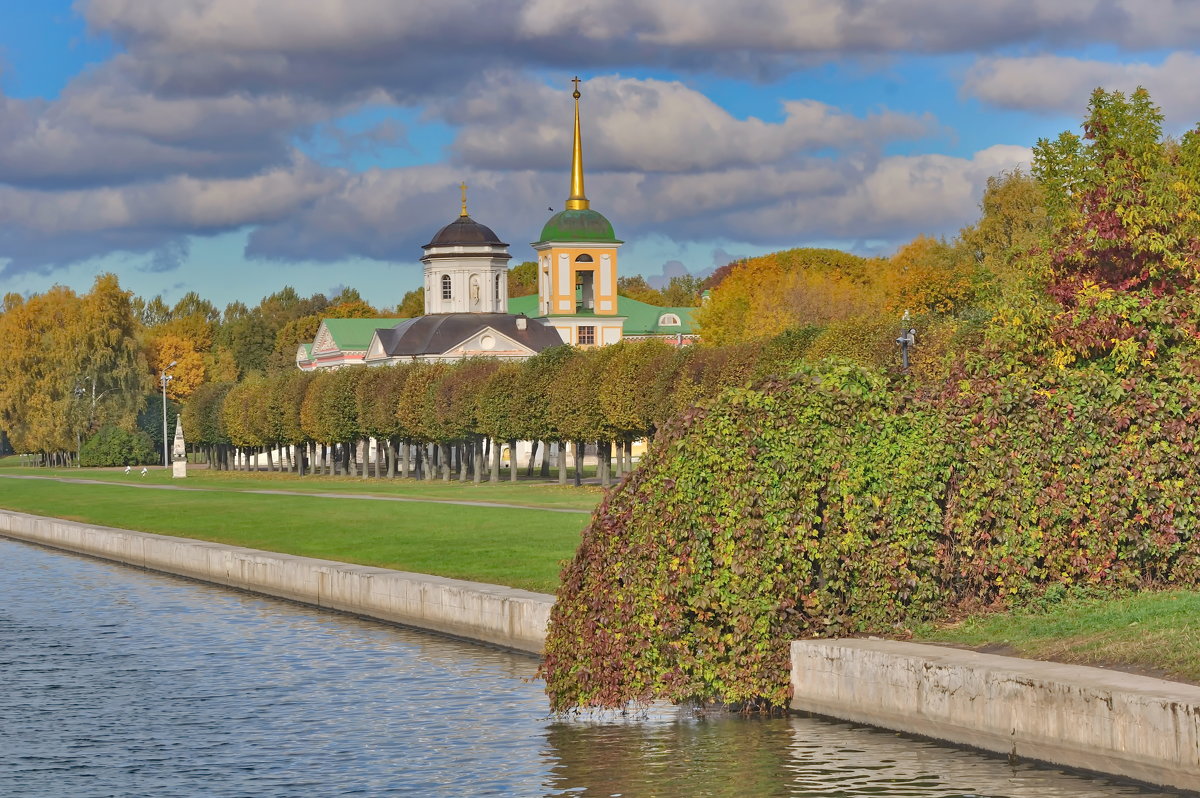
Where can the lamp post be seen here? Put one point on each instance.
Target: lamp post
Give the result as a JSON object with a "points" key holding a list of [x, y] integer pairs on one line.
{"points": [[164, 378], [907, 339]]}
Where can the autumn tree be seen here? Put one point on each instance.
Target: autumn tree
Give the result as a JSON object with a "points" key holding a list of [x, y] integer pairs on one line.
{"points": [[187, 372], [497, 412], [631, 369], [573, 404], [1122, 199], [522, 279], [413, 304], [204, 424], [377, 397], [682, 291], [927, 275], [1011, 228], [760, 297], [635, 287], [457, 409]]}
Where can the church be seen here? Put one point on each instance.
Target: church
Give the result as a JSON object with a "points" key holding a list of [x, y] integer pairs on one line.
{"points": [[468, 312]]}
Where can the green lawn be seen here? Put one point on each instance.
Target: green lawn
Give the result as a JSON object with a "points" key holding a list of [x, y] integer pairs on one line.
{"points": [[521, 547], [1153, 633], [529, 493]]}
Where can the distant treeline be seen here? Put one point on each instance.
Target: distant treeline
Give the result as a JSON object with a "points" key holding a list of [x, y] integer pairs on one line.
{"points": [[453, 412]]}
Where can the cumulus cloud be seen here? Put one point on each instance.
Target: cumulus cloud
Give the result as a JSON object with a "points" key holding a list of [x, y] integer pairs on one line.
{"points": [[40, 229], [191, 128], [388, 214], [651, 125], [1060, 84], [418, 49], [102, 131]]}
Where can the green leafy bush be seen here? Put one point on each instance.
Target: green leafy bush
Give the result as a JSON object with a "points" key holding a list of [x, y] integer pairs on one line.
{"points": [[113, 446], [843, 501]]}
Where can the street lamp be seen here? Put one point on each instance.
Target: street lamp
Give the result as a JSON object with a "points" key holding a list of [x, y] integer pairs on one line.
{"points": [[907, 340], [164, 378]]}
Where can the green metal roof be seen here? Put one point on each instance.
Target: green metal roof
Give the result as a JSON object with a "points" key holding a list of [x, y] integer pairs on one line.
{"points": [[585, 225], [355, 334], [640, 318]]}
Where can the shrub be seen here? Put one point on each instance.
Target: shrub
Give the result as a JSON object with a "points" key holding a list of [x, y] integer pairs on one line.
{"points": [[113, 446]]}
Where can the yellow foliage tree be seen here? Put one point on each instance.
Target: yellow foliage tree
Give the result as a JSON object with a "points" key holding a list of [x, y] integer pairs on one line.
{"points": [[761, 297], [187, 374], [926, 275]]}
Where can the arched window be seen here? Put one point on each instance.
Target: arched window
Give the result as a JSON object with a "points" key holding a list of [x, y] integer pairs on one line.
{"points": [[584, 258], [446, 292], [669, 320], [498, 278]]}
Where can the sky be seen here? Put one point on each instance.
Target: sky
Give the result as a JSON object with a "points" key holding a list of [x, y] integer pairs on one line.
{"points": [[232, 147]]}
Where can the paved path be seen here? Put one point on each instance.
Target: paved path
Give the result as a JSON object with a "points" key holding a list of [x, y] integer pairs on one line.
{"points": [[364, 496]]}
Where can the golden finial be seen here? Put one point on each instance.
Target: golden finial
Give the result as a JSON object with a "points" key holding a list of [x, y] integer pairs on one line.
{"points": [[578, 200], [463, 187]]}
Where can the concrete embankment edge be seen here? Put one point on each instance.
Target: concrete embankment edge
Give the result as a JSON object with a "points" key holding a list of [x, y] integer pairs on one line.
{"points": [[502, 616], [1091, 718]]}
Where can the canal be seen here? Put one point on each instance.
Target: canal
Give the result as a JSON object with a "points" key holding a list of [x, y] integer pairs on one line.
{"points": [[119, 682]]}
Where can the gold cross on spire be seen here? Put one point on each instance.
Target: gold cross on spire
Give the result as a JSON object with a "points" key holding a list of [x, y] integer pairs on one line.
{"points": [[463, 187], [575, 80]]}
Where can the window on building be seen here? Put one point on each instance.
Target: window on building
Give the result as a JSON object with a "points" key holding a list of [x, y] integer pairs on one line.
{"points": [[584, 258], [668, 320], [587, 335], [499, 277], [446, 292]]}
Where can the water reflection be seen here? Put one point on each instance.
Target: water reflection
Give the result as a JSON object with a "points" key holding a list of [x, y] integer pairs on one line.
{"points": [[118, 682]]}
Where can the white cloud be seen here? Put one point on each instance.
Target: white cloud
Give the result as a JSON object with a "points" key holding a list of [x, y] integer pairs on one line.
{"points": [[1062, 84], [651, 126]]}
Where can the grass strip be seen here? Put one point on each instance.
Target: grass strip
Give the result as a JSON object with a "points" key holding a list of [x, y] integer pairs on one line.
{"points": [[1153, 633], [516, 547], [531, 493]]}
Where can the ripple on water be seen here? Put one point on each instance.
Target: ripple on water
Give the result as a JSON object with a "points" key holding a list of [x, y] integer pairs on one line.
{"points": [[118, 682]]}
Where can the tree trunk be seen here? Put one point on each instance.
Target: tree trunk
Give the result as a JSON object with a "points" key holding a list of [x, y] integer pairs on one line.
{"points": [[495, 477], [545, 472], [562, 462], [416, 453], [405, 453], [431, 462], [604, 462], [533, 450], [512, 461], [477, 460], [578, 463]]}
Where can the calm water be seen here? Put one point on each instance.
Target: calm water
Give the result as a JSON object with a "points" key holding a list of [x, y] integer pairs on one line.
{"points": [[116, 682]]}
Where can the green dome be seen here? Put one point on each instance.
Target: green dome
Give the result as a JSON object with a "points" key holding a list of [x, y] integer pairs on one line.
{"points": [[585, 225]]}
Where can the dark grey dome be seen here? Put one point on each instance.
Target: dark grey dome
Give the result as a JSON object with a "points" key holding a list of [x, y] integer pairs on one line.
{"points": [[465, 230]]}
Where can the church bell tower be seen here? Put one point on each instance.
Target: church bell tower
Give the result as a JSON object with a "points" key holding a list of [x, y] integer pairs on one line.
{"points": [[577, 265]]}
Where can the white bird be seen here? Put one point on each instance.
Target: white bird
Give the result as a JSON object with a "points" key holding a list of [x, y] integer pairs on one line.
{"points": [[144, 470]]}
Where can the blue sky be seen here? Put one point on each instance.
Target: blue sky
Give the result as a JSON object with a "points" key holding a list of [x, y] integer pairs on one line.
{"points": [[232, 147]]}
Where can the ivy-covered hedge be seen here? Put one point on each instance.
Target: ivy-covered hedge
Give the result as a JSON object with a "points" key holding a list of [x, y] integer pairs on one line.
{"points": [[845, 501]]}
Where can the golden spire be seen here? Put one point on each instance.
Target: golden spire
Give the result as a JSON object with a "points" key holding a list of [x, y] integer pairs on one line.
{"points": [[578, 200], [463, 186]]}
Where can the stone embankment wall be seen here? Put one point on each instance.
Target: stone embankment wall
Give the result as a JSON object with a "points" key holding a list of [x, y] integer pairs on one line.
{"points": [[502, 616], [1092, 718], [1101, 720]]}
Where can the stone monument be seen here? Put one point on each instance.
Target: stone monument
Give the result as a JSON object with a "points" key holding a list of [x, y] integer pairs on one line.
{"points": [[178, 452]]}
